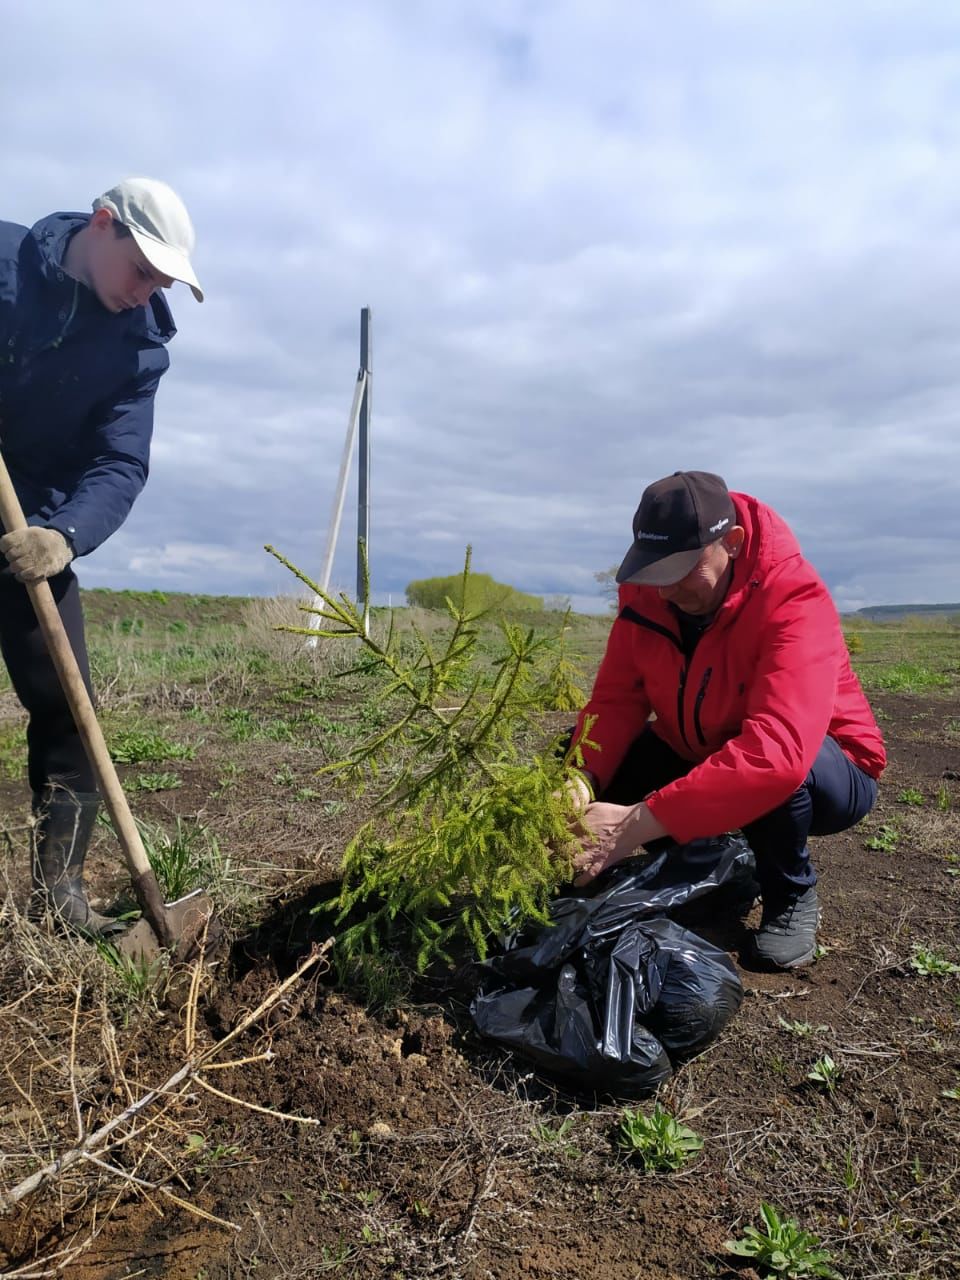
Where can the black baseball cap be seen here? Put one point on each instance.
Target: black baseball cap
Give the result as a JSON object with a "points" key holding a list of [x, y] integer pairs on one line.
{"points": [[677, 517]]}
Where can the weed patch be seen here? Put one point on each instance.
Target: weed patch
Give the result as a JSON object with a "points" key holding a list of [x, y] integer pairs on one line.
{"points": [[136, 746]]}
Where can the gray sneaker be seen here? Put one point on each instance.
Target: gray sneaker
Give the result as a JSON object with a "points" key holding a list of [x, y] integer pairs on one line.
{"points": [[787, 936]]}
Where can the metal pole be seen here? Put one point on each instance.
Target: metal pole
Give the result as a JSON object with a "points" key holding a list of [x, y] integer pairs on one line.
{"points": [[363, 487]]}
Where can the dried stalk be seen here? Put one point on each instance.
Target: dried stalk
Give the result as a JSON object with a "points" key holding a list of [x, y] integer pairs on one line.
{"points": [[190, 1072]]}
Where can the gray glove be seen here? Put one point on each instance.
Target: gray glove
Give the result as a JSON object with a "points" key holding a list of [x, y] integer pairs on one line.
{"points": [[36, 553]]}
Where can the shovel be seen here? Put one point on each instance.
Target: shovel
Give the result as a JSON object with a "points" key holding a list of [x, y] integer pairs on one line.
{"points": [[182, 928]]}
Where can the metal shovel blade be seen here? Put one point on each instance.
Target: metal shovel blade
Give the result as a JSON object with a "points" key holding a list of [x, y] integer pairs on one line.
{"points": [[192, 925]]}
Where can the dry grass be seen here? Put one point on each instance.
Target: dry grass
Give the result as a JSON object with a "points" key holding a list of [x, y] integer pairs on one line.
{"points": [[81, 1128]]}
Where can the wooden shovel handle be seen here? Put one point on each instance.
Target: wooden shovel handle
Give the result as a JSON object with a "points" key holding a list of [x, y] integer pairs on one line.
{"points": [[71, 681]]}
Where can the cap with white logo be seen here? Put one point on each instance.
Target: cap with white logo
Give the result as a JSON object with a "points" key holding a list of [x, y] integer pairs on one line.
{"points": [[677, 517], [158, 220]]}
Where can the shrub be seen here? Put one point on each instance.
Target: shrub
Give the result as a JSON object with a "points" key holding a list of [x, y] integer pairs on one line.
{"points": [[473, 592]]}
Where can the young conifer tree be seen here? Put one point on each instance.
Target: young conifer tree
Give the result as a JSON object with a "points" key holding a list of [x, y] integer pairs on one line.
{"points": [[471, 825]]}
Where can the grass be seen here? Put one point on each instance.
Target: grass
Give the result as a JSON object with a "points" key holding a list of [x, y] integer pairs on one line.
{"points": [[252, 812], [905, 677], [13, 751]]}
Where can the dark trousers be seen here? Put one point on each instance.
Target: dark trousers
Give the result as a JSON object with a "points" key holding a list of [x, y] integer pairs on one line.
{"points": [[834, 796], [55, 754]]}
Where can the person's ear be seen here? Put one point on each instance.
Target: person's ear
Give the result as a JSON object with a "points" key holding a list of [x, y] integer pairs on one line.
{"points": [[733, 540], [101, 219]]}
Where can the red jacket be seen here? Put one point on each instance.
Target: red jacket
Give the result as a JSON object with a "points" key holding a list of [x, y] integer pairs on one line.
{"points": [[769, 679]]}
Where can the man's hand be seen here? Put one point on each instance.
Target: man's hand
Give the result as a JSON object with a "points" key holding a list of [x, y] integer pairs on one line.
{"points": [[35, 554], [576, 789], [617, 832]]}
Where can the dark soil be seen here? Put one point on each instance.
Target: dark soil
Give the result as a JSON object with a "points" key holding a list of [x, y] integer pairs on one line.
{"points": [[432, 1155]]}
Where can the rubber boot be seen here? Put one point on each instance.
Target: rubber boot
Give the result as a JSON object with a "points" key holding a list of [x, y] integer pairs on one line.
{"points": [[64, 825]]}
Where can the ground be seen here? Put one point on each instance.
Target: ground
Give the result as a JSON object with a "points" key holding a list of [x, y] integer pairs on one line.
{"points": [[420, 1150]]}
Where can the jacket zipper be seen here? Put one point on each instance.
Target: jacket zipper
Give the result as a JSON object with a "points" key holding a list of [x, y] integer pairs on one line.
{"points": [[58, 340], [701, 693], [680, 688]]}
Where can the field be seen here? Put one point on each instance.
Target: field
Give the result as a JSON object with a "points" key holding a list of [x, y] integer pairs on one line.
{"points": [[352, 1132]]}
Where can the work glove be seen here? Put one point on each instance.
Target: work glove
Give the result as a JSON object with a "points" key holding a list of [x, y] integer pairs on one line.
{"points": [[36, 553]]}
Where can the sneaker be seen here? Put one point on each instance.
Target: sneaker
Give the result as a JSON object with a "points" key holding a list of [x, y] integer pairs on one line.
{"points": [[787, 936]]}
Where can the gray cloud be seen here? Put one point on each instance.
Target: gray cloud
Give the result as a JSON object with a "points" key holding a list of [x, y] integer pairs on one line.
{"points": [[601, 241]]}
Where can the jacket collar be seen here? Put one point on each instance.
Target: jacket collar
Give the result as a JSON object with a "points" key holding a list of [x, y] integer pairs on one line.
{"points": [[52, 235]]}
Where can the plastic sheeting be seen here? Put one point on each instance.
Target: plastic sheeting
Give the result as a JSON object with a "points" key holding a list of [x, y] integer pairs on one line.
{"points": [[614, 992]]}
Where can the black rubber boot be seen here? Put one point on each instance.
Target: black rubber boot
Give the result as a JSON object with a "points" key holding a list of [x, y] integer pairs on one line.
{"points": [[64, 825]]}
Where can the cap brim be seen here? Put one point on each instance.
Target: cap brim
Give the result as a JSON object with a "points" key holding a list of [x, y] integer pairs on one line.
{"points": [[169, 262], [639, 568]]}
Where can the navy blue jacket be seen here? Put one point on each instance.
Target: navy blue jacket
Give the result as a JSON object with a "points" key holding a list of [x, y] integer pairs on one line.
{"points": [[76, 387]]}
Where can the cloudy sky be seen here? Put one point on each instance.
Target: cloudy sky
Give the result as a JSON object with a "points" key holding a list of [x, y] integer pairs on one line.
{"points": [[602, 240]]}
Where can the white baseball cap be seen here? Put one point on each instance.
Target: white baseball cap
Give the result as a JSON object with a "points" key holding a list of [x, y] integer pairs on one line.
{"points": [[158, 220]]}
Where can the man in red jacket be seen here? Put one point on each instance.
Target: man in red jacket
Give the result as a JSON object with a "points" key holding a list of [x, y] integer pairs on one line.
{"points": [[730, 638]]}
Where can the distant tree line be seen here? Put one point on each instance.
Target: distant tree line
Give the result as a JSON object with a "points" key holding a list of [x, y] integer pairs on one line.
{"points": [[483, 592]]}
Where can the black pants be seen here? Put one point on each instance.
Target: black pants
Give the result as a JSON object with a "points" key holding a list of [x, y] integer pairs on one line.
{"points": [[834, 796], [55, 754]]}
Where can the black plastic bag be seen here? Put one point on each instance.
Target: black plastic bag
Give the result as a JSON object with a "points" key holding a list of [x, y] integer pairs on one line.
{"points": [[614, 991]]}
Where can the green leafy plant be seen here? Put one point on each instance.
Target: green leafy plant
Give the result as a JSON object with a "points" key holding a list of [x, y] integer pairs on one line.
{"points": [[471, 827], [885, 841], [942, 799], [930, 963], [825, 1073], [783, 1248], [911, 796], [802, 1030], [557, 1137], [229, 777], [136, 746], [154, 782], [659, 1141]]}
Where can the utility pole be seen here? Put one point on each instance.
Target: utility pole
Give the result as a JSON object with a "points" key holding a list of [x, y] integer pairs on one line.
{"points": [[363, 486], [359, 412]]}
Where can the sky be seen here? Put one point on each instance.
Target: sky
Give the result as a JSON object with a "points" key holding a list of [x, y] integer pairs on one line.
{"points": [[602, 240]]}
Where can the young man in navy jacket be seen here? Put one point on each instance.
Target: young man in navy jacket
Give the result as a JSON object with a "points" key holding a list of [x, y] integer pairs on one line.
{"points": [[83, 333]]}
